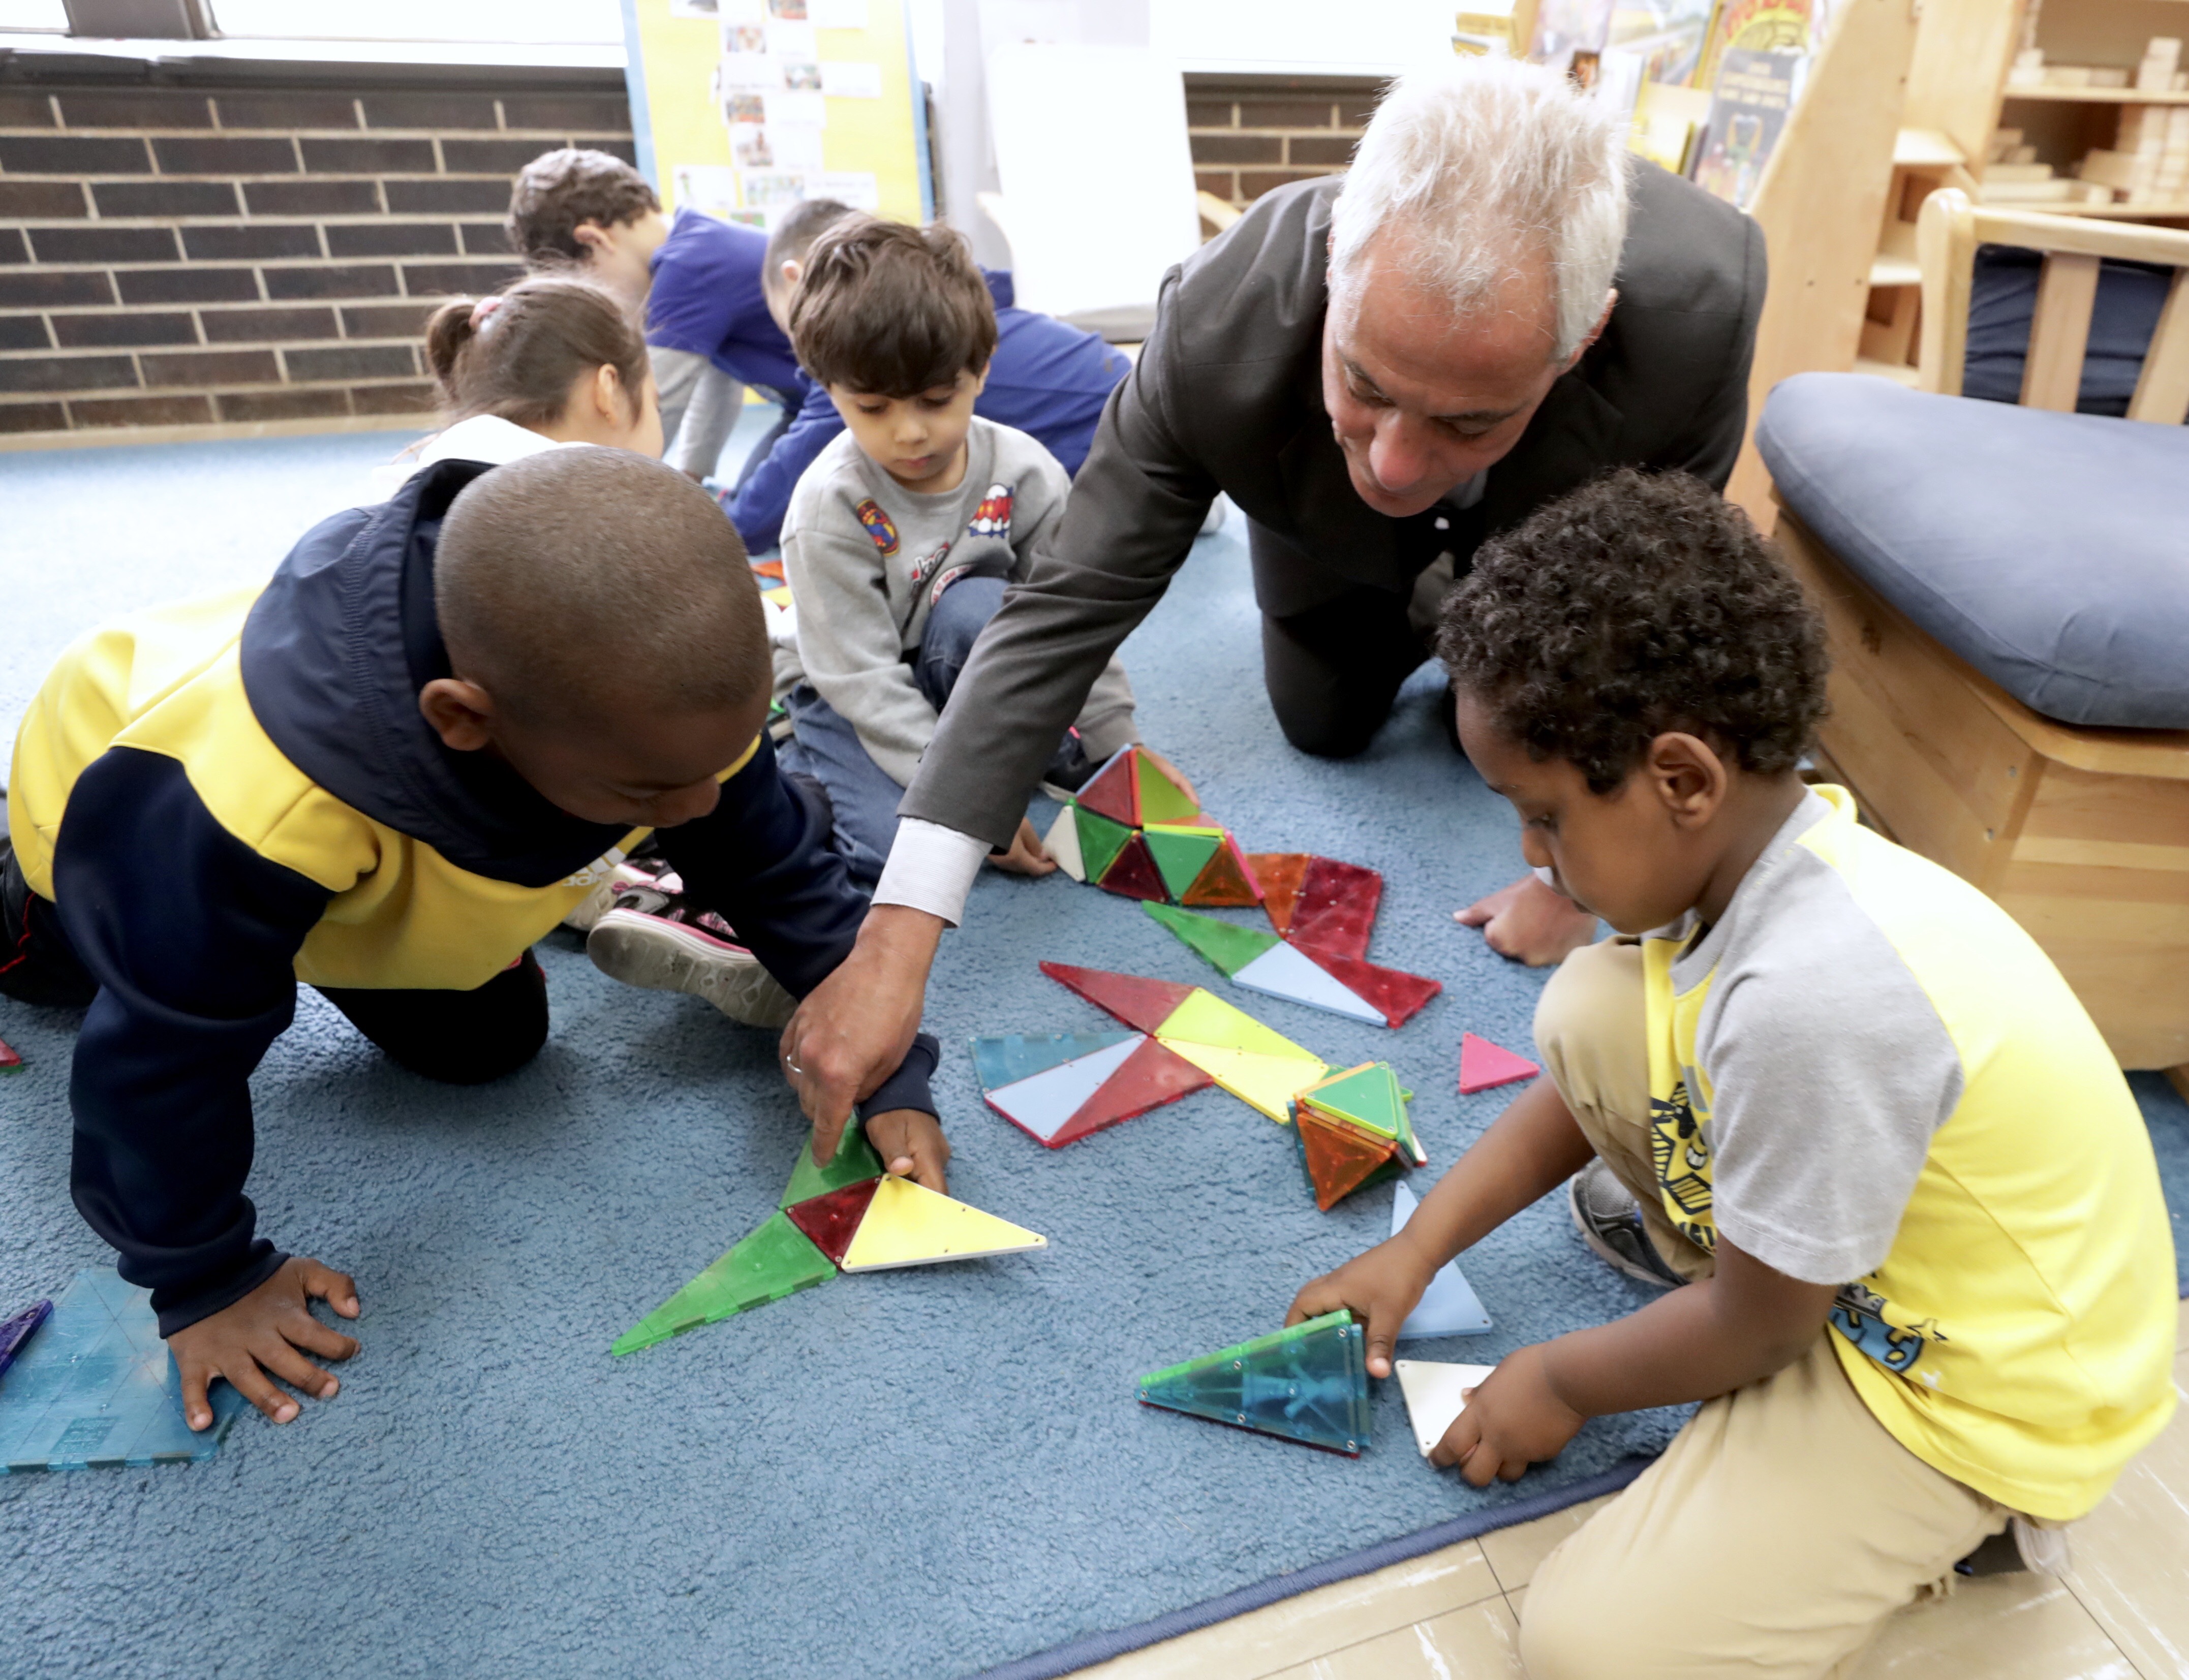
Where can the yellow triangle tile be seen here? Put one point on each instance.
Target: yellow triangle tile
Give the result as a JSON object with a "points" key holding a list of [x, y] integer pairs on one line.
{"points": [[1268, 1082], [1204, 1018], [908, 1224]]}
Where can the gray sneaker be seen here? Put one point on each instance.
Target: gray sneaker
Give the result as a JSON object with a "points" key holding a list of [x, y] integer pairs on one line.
{"points": [[1609, 1222], [662, 944]]}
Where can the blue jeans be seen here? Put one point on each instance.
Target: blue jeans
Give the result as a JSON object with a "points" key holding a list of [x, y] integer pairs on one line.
{"points": [[827, 747]]}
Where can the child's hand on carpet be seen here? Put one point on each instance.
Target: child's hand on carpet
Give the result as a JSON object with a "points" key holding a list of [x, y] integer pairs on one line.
{"points": [[1026, 856], [1513, 1419], [911, 1145], [258, 1337], [1381, 1288]]}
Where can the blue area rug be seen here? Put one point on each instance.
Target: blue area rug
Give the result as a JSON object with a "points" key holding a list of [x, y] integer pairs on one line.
{"points": [[919, 1474]]}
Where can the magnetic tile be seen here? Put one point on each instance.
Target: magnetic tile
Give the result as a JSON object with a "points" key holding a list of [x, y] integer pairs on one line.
{"points": [[1367, 1095], [1061, 843], [910, 1226], [1308, 1383], [1226, 946], [1100, 841], [1280, 874], [1043, 1104], [1449, 1306], [1267, 1082], [96, 1381], [1113, 792], [1162, 800], [1483, 1066], [1340, 1158], [1133, 875], [1224, 881], [830, 1221], [1396, 996], [1133, 998], [1151, 1076], [1181, 853], [1284, 971], [1008, 1058], [775, 1259], [9, 1061], [1204, 1018], [1435, 1395], [1336, 908], [854, 1159]]}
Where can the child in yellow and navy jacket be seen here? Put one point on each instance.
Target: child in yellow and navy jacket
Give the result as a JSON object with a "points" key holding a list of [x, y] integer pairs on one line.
{"points": [[1827, 1096], [385, 775]]}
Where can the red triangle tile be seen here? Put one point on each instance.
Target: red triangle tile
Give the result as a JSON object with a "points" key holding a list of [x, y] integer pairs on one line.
{"points": [[1114, 792], [1279, 874], [832, 1219], [8, 1059], [1398, 994], [1134, 874], [1483, 1066], [1338, 904], [1151, 1077], [1135, 1000], [1339, 1159]]}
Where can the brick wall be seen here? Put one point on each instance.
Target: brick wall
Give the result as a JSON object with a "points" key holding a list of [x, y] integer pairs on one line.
{"points": [[1250, 133], [260, 257]]}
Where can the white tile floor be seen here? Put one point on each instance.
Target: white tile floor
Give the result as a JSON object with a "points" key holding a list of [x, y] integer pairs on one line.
{"points": [[2122, 1614]]}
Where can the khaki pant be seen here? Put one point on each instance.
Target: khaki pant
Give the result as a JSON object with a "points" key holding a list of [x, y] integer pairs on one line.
{"points": [[1783, 1524]]}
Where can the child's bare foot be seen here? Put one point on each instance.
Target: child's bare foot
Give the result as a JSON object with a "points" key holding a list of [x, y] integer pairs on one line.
{"points": [[1530, 923], [258, 1337], [1025, 856], [911, 1145]]}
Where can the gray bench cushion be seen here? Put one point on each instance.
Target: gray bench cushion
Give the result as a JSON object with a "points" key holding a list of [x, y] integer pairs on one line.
{"points": [[2050, 550]]}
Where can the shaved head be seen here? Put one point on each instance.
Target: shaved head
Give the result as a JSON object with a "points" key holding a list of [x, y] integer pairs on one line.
{"points": [[585, 583]]}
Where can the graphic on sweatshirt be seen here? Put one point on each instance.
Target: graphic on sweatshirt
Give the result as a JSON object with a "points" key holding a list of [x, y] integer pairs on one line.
{"points": [[947, 580], [879, 526], [1863, 1315], [1680, 1155], [926, 566], [992, 517]]}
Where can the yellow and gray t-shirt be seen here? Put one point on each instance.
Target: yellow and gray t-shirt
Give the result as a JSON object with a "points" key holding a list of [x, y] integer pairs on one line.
{"points": [[1867, 1074]]}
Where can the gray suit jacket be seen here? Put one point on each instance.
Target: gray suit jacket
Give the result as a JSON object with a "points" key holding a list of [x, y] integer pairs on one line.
{"points": [[1228, 396]]}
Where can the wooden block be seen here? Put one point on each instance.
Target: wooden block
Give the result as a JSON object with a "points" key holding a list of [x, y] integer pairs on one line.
{"points": [[2107, 168]]}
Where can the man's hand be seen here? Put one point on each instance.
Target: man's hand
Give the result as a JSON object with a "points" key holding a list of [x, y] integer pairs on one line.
{"points": [[258, 1337], [1381, 1287], [1529, 922], [855, 1025], [1026, 856], [911, 1145], [1514, 1419]]}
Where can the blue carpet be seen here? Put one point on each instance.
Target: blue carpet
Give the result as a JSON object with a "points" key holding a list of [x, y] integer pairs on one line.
{"points": [[920, 1473]]}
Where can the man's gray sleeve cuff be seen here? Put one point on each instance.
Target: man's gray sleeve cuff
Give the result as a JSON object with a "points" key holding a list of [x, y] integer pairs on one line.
{"points": [[931, 868]]}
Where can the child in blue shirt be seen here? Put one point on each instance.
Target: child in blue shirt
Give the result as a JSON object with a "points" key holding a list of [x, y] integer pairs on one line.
{"points": [[1046, 379]]}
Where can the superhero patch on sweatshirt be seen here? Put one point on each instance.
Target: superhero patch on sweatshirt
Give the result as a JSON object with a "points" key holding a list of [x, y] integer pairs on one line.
{"points": [[879, 526], [992, 517]]}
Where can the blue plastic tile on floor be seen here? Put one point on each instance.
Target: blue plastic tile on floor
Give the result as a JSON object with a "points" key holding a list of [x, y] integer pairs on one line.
{"points": [[1449, 1306], [96, 1387], [1043, 1103], [1010, 1057]]}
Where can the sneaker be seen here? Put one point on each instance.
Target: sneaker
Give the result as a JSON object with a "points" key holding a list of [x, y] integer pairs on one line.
{"points": [[630, 873], [1611, 1223], [658, 941], [1070, 769]]}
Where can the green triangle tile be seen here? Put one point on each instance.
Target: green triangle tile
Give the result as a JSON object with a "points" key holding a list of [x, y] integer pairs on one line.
{"points": [[1162, 800], [1228, 945], [1367, 1095], [1181, 854], [855, 1160], [775, 1260], [1100, 841]]}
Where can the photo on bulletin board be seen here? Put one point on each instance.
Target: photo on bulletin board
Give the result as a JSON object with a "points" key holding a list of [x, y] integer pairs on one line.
{"points": [[746, 107]]}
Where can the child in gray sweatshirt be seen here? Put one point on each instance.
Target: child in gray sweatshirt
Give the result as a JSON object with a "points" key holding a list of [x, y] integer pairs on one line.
{"points": [[903, 534]]}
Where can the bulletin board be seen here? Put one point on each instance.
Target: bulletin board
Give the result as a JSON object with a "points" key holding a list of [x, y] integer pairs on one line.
{"points": [[744, 107]]}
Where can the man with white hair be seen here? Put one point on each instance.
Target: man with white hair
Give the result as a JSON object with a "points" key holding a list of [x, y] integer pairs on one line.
{"points": [[1493, 306]]}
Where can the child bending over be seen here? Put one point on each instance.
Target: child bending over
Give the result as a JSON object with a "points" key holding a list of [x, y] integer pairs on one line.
{"points": [[1826, 1094], [905, 531], [386, 775]]}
